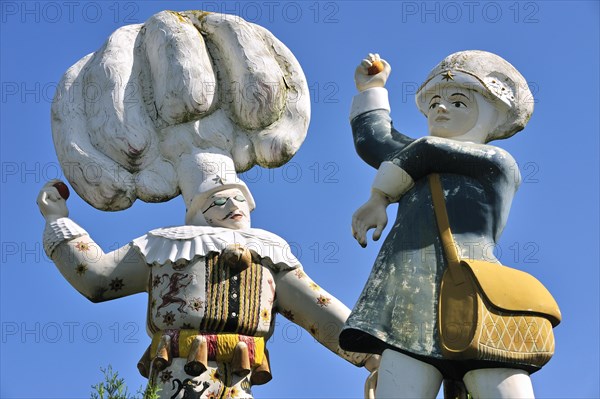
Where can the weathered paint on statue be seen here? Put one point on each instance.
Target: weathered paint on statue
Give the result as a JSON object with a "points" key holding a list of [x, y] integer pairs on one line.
{"points": [[469, 99], [165, 125]]}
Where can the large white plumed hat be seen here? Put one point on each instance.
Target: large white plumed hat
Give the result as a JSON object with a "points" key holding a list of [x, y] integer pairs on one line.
{"points": [[490, 75], [171, 91]]}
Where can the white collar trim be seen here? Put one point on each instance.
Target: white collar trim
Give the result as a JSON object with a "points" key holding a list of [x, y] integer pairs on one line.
{"points": [[186, 242]]}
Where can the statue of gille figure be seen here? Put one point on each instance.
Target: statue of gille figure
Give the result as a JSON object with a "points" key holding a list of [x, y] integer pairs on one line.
{"points": [[469, 99], [186, 101]]}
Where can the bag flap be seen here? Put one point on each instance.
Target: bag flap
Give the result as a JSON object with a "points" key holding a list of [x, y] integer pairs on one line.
{"points": [[500, 284]]}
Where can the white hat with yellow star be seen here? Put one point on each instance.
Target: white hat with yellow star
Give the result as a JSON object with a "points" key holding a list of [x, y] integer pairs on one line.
{"points": [[490, 75]]}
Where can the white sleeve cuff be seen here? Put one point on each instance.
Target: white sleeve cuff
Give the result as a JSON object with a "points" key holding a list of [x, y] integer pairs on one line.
{"points": [[392, 180], [62, 229], [369, 100]]}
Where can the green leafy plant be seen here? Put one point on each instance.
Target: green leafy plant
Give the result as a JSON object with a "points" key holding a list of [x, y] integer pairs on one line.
{"points": [[114, 387]]}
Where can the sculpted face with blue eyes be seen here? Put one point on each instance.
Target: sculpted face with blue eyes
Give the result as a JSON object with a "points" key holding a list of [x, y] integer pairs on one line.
{"points": [[452, 111], [227, 208]]}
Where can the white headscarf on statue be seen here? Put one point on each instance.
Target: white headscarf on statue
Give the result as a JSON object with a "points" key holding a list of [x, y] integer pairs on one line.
{"points": [[493, 77]]}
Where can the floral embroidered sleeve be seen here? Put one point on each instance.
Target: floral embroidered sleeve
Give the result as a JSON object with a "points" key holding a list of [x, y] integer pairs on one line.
{"points": [[305, 303], [97, 275]]}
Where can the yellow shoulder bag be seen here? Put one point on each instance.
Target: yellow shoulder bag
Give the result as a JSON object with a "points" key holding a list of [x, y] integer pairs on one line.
{"points": [[488, 311]]}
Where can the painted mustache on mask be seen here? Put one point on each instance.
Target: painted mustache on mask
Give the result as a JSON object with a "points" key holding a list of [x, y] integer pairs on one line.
{"points": [[230, 215]]}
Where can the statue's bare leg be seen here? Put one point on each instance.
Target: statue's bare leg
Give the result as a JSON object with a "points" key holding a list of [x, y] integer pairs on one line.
{"points": [[401, 376], [499, 383]]}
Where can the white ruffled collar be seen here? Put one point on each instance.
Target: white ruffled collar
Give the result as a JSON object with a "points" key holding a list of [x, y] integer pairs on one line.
{"points": [[186, 242]]}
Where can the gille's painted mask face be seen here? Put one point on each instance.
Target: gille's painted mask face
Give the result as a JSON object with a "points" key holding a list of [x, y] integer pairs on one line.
{"points": [[227, 208]]}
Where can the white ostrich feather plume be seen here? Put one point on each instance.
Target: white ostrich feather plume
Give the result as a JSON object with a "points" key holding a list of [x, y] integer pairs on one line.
{"points": [[179, 84]]}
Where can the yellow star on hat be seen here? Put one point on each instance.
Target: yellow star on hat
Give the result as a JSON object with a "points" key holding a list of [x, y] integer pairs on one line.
{"points": [[447, 76]]}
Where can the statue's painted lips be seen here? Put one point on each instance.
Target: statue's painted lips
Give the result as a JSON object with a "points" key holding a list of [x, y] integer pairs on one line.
{"points": [[236, 215]]}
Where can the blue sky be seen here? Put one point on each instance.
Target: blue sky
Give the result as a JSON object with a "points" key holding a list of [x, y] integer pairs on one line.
{"points": [[54, 341]]}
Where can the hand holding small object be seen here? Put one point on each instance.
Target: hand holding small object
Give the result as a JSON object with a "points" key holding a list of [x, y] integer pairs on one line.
{"points": [[371, 72], [52, 200]]}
